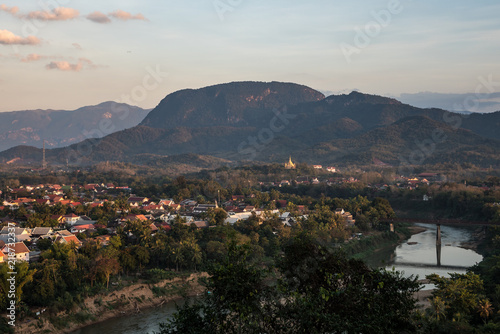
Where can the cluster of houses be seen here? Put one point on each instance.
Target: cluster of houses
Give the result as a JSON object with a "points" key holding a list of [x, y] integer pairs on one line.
{"points": [[12, 241], [156, 214], [55, 194], [328, 169]]}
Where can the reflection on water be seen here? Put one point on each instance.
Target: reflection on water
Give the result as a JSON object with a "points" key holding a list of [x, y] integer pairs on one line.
{"points": [[419, 255]]}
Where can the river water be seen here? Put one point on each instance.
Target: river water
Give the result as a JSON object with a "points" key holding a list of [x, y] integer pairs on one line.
{"points": [[416, 256], [420, 256], [146, 322]]}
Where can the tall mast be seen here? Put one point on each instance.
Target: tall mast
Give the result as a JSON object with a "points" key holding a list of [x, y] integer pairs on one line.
{"points": [[44, 163]]}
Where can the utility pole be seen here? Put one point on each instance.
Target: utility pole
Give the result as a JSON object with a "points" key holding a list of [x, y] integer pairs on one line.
{"points": [[44, 163]]}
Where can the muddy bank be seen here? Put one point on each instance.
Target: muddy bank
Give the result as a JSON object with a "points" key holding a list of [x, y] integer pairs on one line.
{"points": [[423, 298], [120, 303], [416, 229]]}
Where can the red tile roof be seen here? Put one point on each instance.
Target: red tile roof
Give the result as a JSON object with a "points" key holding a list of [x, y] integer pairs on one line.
{"points": [[19, 248]]}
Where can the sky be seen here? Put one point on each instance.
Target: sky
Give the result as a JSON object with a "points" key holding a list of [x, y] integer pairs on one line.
{"points": [[65, 54]]}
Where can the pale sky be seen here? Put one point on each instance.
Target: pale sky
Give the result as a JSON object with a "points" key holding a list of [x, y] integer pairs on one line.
{"points": [[65, 54]]}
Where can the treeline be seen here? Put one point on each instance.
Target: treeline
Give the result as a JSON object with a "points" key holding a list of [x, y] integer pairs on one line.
{"points": [[480, 202]]}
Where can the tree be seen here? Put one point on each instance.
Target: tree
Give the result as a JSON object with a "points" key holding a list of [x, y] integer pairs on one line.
{"points": [[216, 216], [127, 260], [485, 309], [107, 265], [141, 255], [318, 290], [23, 276], [462, 295]]}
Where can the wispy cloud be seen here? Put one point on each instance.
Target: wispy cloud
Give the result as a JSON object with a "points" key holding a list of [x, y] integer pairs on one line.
{"points": [[11, 10], [65, 66], [125, 16], [77, 46], [98, 17], [57, 14], [9, 38], [32, 57], [65, 14]]}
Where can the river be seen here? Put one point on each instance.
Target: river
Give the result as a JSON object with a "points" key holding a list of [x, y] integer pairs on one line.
{"points": [[416, 256], [419, 254], [145, 322]]}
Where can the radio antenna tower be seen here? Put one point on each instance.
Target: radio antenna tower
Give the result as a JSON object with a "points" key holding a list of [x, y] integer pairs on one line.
{"points": [[44, 163]]}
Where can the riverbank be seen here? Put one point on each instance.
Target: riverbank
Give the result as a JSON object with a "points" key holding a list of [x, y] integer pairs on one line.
{"points": [[376, 242], [129, 300]]}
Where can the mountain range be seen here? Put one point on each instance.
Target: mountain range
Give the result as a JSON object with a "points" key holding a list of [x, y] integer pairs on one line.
{"points": [[60, 128], [268, 121]]}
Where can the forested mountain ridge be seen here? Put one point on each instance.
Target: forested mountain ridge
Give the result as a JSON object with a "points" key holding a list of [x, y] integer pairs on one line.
{"points": [[60, 128], [253, 121]]}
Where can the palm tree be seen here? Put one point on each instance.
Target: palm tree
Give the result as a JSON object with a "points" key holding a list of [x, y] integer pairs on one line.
{"points": [[438, 307], [485, 309]]}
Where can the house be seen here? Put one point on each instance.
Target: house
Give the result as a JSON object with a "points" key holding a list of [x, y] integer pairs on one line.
{"points": [[317, 167], [40, 232], [21, 234], [24, 200], [237, 198], [339, 211], [64, 233], [137, 201], [249, 208], [68, 239], [152, 207], [22, 253], [281, 203], [91, 186], [233, 218], [71, 219], [331, 169], [301, 208], [199, 224], [135, 217], [348, 218], [175, 207], [43, 201], [59, 218], [103, 239], [188, 202], [153, 228], [82, 228], [202, 208], [166, 202], [285, 216]]}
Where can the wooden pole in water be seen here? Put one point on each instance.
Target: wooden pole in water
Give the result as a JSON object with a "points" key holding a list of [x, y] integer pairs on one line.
{"points": [[438, 235], [438, 245]]}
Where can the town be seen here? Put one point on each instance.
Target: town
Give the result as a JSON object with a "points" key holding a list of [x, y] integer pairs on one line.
{"points": [[71, 241]]}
